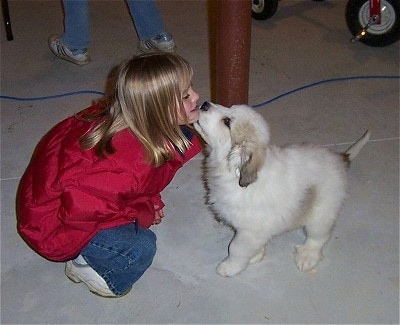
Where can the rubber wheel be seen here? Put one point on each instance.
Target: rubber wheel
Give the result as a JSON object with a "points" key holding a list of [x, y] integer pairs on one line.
{"points": [[379, 35], [263, 9]]}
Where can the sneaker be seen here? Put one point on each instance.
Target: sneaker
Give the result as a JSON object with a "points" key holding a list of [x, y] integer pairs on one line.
{"points": [[78, 272], [71, 55], [163, 42]]}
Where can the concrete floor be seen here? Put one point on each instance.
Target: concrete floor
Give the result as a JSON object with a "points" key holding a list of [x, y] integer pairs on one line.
{"points": [[306, 42]]}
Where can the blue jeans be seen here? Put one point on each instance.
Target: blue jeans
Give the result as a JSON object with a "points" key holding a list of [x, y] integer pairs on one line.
{"points": [[120, 255], [144, 13]]}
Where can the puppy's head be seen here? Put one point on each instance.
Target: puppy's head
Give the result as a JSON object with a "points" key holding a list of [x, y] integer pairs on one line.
{"points": [[237, 135]]}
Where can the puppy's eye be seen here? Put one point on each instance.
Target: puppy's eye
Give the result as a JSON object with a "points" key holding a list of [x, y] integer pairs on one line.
{"points": [[227, 121]]}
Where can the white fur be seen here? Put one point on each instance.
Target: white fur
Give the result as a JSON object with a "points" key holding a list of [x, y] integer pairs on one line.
{"points": [[263, 190]]}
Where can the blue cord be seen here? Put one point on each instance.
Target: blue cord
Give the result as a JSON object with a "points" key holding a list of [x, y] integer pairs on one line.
{"points": [[254, 106], [320, 83], [26, 99]]}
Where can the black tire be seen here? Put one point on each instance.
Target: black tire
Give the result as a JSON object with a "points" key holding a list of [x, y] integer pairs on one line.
{"points": [[386, 33], [263, 9]]}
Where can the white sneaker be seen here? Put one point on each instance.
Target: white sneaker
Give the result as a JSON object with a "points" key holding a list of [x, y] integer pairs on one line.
{"points": [[163, 42], [60, 50], [78, 272]]}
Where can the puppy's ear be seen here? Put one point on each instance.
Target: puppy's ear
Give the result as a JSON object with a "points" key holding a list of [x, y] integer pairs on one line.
{"points": [[252, 158], [247, 154]]}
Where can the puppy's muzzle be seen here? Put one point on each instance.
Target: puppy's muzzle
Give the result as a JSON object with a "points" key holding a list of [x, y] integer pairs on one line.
{"points": [[205, 106]]}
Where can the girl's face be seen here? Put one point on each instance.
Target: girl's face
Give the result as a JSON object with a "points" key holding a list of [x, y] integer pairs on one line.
{"points": [[189, 99]]}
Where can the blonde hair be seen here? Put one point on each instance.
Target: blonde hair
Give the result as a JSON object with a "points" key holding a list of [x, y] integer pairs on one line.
{"points": [[147, 100]]}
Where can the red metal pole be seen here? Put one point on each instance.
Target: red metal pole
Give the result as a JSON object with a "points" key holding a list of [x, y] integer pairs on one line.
{"points": [[233, 52]]}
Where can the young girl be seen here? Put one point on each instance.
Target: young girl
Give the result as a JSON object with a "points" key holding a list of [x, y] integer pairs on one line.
{"points": [[92, 188]]}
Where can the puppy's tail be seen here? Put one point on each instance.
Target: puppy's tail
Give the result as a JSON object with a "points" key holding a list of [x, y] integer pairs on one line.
{"points": [[353, 151]]}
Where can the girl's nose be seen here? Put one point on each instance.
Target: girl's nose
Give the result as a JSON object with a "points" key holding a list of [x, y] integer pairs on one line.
{"points": [[195, 96]]}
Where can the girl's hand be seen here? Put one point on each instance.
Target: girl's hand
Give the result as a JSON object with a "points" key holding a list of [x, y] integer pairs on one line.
{"points": [[158, 216]]}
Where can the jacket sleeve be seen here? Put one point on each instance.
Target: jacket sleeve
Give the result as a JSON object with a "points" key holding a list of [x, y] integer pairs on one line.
{"points": [[157, 202]]}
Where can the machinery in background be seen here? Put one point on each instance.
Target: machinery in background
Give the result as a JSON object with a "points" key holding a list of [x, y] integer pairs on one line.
{"points": [[372, 22]]}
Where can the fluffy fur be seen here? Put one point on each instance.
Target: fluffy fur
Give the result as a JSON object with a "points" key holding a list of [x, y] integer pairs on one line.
{"points": [[262, 190]]}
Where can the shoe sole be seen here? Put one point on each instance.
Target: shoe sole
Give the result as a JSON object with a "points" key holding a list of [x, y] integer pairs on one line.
{"points": [[75, 62], [66, 58]]}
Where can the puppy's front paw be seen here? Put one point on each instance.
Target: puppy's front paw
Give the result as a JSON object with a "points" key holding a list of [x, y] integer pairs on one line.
{"points": [[229, 268], [307, 258]]}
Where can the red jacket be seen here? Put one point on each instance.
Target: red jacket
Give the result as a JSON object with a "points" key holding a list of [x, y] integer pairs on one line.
{"points": [[67, 194]]}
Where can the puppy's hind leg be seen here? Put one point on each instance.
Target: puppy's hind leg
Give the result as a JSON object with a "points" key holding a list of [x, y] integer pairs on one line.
{"points": [[246, 247], [318, 231]]}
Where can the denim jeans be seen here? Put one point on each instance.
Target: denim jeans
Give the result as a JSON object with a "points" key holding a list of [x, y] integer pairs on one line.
{"points": [[121, 255], [144, 13]]}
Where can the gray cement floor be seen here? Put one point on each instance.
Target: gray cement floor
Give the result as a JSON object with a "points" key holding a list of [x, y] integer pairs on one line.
{"points": [[306, 42]]}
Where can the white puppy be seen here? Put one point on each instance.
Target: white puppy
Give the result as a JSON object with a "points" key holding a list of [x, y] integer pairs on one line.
{"points": [[263, 190]]}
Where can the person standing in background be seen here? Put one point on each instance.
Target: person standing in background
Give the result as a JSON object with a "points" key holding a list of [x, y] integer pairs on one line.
{"points": [[73, 44]]}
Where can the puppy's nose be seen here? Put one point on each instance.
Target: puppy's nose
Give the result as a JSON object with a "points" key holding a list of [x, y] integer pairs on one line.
{"points": [[205, 106]]}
